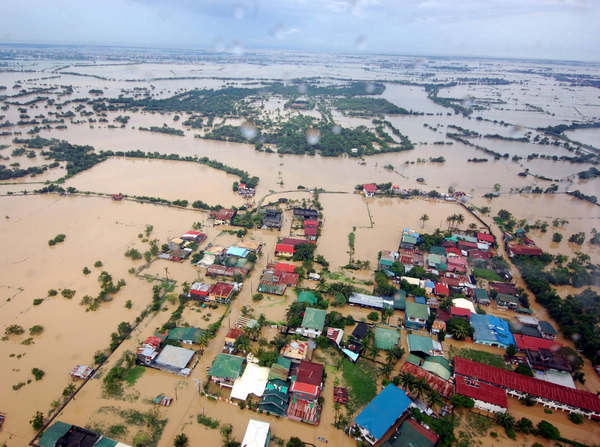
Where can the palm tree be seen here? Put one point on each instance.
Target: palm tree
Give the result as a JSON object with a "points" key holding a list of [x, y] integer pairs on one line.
{"points": [[406, 380], [451, 219], [460, 332], [373, 351], [460, 219], [424, 218], [434, 398], [386, 369], [420, 386]]}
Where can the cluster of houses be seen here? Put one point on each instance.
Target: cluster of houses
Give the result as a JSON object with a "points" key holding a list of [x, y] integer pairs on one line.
{"points": [[161, 351], [277, 277], [182, 247]]}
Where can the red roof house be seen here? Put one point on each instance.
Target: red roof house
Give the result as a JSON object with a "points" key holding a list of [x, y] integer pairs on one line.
{"points": [[525, 250], [311, 223], [369, 189], [284, 249], [221, 291], [284, 267], [485, 237], [441, 289], [527, 342], [223, 215], [460, 312], [440, 385], [481, 391], [310, 231], [311, 373], [518, 382], [294, 241]]}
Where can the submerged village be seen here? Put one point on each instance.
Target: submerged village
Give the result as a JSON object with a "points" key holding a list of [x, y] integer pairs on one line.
{"points": [[375, 259]]}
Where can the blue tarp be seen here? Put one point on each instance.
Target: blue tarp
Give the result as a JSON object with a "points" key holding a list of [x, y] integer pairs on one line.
{"points": [[383, 411], [420, 300], [353, 355], [490, 329]]}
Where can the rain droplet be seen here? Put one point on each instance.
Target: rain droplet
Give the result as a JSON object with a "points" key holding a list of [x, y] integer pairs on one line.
{"points": [[370, 87], [237, 48], [248, 130], [278, 31], [361, 42], [219, 45], [302, 89], [312, 136], [336, 129], [468, 102], [238, 12]]}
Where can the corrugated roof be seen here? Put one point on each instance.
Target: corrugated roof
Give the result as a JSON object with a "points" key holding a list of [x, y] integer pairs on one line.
{"points": [[175, 357], [314, 318], [420, 343], [416, 310], [535, 344], [53, 434], [436, 368], [481, 391], [386, 338], [519, 382], [226, 366], [257, 434], [311, 373], [307, 296], [383, 411]]}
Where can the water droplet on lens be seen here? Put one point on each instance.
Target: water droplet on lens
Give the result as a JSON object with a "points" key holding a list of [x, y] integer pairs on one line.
{"points": [[360, 42], [312, 136], [237, 49], [302, 89], [238, 12], [219, 45], [336, 129], [277, 32], [248, 130], [370, 87]]}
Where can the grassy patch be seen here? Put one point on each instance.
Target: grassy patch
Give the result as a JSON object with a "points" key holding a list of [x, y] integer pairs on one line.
{"points": [[361, 380], [133, 374], [479, 356], [488, 274]]}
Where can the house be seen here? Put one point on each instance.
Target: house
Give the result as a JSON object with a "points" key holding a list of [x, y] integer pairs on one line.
{"points": [[460, 312], [416, 315], [231, 337], [285, 268], [305, 392], [423, 346], [221, 292], [544, 359], [504, 287], [442, 289], [311, 233], [222, 216], [507, 301], [485, 238], [174, 359], [378, 419], [386, 339], [549, 394], [221, 270], [399, 300], [546, 330], [481, 296], [360, 331], [375, 302], [335, 335], [194, 236], [252, 382], [306, 296], [275, 399], [175, 243], [438, 326], [185, 335], [284, 250], [306, 213], [148, 351], [409, 239], [529, 343], [412, 434], [81, 372], [312, 223], [60, 434], [199, 291], [258, 434], [310, 373], [237, 251], [249, 244], [524, 250], [491, 331], [486, 397], [298, 351], [444, 387], [369, 189], [225, 369], [312, 323], [438, 365], [272, 219], [295, 241]]}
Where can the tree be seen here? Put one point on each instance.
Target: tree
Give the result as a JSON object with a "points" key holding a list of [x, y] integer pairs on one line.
{"points": [[386, 369], [434, 398], [424, 218], [505, 419], [547, 430], [373, 316], [242, 343], [37, 421], [458, 400], [524, 425], [181, 440], [441, 335], [406, 380], [511, 351], [524, 369], [557, 237], [294, 442], [386, 313], [459, 328], [420, 387], [304, 252]]}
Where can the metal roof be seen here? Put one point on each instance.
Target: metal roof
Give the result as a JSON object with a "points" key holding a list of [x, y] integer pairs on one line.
{"points": [[226, 366], [314, 318], [416, 310], [386, 338], [175, 357], [257, 434], [383, 411]]}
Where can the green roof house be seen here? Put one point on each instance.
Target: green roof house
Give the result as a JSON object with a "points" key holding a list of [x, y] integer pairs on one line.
{"points": [[482, 296], [386, 338], [437, 365], [416, 315], [225, 369], [420, 345], [509, 301], [400, 300], [187, 335], [307, 297], [312, 323]]}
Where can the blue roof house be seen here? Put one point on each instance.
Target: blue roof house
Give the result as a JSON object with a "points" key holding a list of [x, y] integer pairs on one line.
{"points": [[491, 331], [237, 251], [382, 413]]}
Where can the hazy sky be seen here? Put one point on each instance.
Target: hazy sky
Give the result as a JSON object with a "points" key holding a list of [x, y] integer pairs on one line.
{"points": [[561, 29]]}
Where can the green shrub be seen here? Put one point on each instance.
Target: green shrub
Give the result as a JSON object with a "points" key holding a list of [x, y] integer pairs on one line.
{"points": [[547, 430], [67, 293], [98, 264], [36, 329], [576, 418], [37, 301], [37, 373], [52, 292]]}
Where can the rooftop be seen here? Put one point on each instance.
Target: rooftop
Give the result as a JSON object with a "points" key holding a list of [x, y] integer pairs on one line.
{"points": [[481, 391], [257, 434], [383, 411], [307, 296], [314, 318], [226, 366], [416, 310], [539, 388], [310, 373], [175, 357], [386, 338]]}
